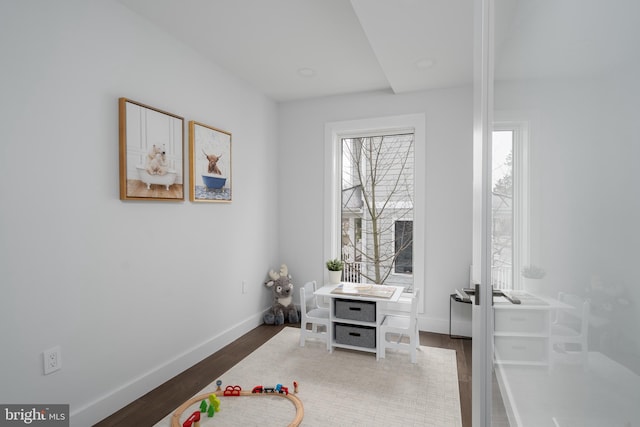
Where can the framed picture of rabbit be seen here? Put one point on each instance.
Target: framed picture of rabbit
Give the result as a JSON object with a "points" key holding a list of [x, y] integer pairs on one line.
{"points": [[151, 153], [210, 164]]}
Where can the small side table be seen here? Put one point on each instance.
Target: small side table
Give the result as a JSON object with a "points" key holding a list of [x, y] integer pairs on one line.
{"points": [[452, 298]]}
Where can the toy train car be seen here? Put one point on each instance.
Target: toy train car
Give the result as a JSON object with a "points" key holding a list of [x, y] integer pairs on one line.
{"points": [[282, 389], [279, 388]]}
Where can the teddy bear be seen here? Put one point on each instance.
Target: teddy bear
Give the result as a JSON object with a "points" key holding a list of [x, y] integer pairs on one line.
{"points": [[283, 307]]}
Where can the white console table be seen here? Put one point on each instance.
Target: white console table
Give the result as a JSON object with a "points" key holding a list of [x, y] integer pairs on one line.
{"points": [[355, 314], [521, 331]]}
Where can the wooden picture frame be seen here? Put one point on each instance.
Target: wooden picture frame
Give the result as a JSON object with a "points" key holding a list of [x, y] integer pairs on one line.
{"points": [[209, 163], [151, 153]]}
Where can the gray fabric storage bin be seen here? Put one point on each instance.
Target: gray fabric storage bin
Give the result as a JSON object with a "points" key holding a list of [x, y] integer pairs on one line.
{"points": [[360, 336], [363, 311]]}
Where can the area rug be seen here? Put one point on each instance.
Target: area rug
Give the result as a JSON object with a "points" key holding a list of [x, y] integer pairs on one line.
{"points": [[342, 388]]}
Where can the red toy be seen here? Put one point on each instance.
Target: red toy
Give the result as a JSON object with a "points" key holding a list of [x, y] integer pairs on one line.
{"points": [[232, 390], [194, 418]]}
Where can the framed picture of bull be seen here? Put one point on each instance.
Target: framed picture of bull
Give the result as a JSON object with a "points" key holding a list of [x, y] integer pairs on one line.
{"points": [[151, 153], [210, 164]]}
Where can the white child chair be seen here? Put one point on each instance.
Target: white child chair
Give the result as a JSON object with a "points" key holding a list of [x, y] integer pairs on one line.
{"points": [[401, 326], [568, 340], [313, 315]]}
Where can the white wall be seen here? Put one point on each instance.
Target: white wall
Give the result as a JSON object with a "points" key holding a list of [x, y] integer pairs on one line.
{"points": [[133, 292], [448, 185]]}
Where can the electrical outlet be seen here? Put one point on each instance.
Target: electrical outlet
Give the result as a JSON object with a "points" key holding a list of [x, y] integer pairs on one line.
{"points": [[52, 360]]}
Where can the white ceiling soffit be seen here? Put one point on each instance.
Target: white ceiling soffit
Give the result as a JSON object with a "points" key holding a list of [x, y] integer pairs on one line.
{"points": [[420, 44]]}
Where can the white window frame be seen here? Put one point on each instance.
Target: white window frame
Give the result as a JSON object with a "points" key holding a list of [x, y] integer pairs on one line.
{"points": [[334, 133]]}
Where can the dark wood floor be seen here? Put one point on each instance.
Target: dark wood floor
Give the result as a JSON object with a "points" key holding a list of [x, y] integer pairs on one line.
{"points": [[167, 397]]}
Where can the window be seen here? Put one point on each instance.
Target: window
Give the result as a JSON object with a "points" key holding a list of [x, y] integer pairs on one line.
{"points": [[502, 209], [374, 210], [404, 247], [509, 206]]}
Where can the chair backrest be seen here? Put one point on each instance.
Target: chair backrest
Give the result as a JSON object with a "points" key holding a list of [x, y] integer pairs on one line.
{"points": [[308, 300], [303, 305], [414, 307], [307, 297], [576, 316]]}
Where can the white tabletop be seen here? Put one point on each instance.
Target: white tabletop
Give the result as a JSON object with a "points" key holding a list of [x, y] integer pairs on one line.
{"points": [[358, 291]]}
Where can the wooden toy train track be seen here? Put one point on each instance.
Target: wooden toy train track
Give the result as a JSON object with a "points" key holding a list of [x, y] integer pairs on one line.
{"points": [[175, 419]]}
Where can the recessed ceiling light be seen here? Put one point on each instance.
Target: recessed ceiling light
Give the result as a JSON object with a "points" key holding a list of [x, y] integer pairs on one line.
{"points": [[425, 63], [306, 72]]}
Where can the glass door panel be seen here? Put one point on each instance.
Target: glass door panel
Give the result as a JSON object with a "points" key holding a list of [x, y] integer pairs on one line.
{"points": [[569, 353]]}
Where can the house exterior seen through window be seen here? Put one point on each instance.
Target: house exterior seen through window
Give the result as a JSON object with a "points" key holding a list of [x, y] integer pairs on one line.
{"points": [[377, 200], [404, 247]]}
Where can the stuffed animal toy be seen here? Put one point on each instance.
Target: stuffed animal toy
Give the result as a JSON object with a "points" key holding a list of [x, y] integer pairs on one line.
{"points": [[283, 307]]}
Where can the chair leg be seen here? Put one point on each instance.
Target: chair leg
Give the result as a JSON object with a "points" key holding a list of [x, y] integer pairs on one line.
{"points": [[414, 343], [314, 333]]}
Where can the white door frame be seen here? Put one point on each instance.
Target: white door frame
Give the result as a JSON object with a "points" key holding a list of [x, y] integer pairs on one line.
{"points": [[482, 319]]}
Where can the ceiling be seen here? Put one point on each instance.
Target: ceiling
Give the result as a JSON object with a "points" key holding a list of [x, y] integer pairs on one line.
{"points": [[297, 49]]}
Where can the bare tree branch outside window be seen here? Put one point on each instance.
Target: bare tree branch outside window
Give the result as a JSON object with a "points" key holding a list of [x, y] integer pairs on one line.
{"points": [[502, 211], [377, 203]]}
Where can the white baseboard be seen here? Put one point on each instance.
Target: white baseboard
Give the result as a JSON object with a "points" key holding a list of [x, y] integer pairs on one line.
{"points": [[119, 397], [433, 324], [441, 326]]}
